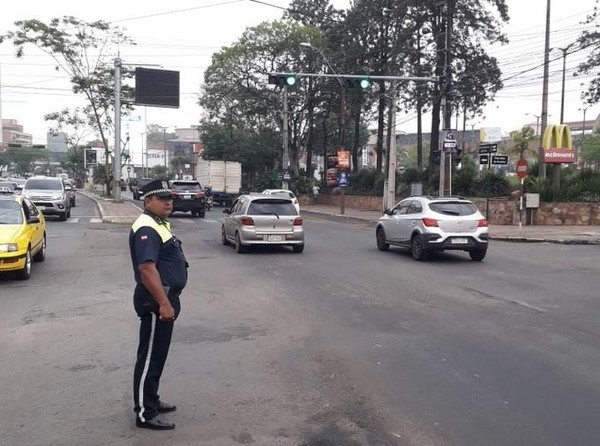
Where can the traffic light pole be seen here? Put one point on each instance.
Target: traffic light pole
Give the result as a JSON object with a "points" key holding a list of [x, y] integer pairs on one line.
{"points": [[285, 161], [117, 150]]}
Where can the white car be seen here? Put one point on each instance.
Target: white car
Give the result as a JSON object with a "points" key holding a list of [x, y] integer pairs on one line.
{"points": [[283, 193], [425, 224]]}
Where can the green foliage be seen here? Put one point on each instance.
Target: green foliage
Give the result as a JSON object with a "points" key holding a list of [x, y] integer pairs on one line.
{"points": [[25, 157], [591, 150], [464, 180], [161, 173], [266, 180], [367, 182]]}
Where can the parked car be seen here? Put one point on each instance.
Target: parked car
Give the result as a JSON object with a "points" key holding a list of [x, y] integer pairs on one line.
{"points": [[262, 219], [425, 224], [284, 193], [188, 196], [49, 196], [22, 235], [9, 187], [136, 184], [70, 189]]}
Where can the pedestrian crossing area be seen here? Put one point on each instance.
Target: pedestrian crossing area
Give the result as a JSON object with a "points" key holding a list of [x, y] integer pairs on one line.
{"points": [[175, 221]]}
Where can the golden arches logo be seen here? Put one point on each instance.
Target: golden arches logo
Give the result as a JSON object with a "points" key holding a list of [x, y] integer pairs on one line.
{"points": [[557, 136], [558, 144]]}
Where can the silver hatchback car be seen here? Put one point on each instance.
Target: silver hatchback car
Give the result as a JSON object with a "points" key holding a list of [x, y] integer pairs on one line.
{"points": [[262, 220], [425, 224]]}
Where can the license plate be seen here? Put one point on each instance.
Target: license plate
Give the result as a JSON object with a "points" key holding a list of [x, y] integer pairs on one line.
{"points": [[459, 241], [273, 238], [187, 197]]}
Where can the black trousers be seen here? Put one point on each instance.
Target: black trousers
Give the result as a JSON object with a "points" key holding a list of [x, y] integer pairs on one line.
{"points": [[153, 349]]}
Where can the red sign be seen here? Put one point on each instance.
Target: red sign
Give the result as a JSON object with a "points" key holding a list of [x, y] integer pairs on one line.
{"points": [[343, 159], [522, 168], [559, 155]]}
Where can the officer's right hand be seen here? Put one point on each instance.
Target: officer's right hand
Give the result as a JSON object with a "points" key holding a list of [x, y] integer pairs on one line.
{"points": [[166, 312]]}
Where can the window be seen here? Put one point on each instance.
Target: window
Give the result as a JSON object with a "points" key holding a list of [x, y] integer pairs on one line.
{"points": [[453, 208], [270, 207]]}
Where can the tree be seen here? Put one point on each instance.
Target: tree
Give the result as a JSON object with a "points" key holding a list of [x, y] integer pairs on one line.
{"points": [[238, 100], [591, 151], [81, 50], [522, 138], [25, 158], [589, 38]]}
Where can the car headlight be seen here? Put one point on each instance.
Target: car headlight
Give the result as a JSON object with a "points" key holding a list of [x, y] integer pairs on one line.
{"points": [[58, 197], [9, 247]]}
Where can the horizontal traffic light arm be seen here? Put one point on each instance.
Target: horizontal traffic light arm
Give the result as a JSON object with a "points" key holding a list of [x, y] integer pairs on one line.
{"points": [[362, 76]]}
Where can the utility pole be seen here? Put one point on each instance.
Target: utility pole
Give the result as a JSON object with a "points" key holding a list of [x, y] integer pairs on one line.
{"points": [[445, 184], [391, 189], [542, 166], [117, 150]]}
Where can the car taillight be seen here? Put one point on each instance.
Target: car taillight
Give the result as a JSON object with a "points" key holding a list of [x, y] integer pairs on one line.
{"points": [[298, 221], [430, 222], [247, 221], [483, 223]]}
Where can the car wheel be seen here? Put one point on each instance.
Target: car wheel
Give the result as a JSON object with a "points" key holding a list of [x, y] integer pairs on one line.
{"points": [[41, 254], [25, 273], [478, 254], [417, 248], [73, 204], [239, 248], [202, 214], [69, 212], [298, 248], [63, 216], [382, 244], [224, 236]]}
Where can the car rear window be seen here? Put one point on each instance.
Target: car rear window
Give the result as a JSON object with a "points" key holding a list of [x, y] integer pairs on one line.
{"points": [[186, 186], [270, 207], [41, 184], [457, 208]]}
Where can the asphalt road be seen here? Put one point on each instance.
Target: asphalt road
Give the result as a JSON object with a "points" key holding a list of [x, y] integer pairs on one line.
{"points": [[340, 345]]}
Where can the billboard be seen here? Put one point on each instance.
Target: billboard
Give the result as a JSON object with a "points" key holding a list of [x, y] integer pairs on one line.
{"points": [[156, 88]]}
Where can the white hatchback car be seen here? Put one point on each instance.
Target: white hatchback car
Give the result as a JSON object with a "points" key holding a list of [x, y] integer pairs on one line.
{"points": [[284, 193], [425, 224]]}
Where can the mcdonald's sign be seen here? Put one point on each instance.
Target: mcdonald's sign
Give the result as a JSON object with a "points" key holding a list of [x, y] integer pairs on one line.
{"points": [[558, 145]]}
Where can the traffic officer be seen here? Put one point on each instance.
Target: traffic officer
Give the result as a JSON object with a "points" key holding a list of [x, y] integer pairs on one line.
{"points": [[160, 272]]}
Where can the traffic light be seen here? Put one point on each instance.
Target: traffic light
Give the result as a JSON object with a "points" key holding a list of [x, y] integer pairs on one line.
{"points": [[361, 84], [288, 80]]}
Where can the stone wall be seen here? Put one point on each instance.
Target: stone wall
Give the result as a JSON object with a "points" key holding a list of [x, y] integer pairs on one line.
{"points": [[501, 211]]}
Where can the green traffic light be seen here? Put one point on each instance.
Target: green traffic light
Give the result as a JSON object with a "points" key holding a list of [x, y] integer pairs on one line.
{"points": [[365, 83], [290, 80]]}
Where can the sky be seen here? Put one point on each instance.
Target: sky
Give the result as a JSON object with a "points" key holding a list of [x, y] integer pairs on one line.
{"points": [[182, 35]]}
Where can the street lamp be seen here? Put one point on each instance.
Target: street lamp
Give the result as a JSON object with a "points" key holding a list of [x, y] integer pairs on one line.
{"points": [[537, 122], [562, 95], [308, 45], [578, 154]]}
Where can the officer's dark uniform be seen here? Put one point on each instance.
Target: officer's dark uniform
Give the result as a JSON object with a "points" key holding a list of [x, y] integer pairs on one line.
{"points": [[151, 239]]}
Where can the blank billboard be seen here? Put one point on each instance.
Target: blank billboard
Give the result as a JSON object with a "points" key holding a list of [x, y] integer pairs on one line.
{"points": [[156, 88]]}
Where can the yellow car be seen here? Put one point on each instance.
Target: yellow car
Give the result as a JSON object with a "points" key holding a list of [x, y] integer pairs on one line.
{"points": [[22, 235]]}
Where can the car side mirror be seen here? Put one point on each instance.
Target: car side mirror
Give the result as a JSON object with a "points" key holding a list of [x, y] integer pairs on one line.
{"points": [[33, 219], [388, 212]]}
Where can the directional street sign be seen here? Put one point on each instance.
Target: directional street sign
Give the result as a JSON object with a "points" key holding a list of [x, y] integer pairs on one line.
{"points": [[449, 146], [484, 159], [499, 159], [488, 148]]}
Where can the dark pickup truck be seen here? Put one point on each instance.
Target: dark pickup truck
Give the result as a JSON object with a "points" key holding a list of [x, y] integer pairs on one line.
{"points": [[136, 184], [188, 196]]}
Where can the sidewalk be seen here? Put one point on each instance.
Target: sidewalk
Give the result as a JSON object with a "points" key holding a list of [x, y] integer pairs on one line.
{"points": [[126, 212]]}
